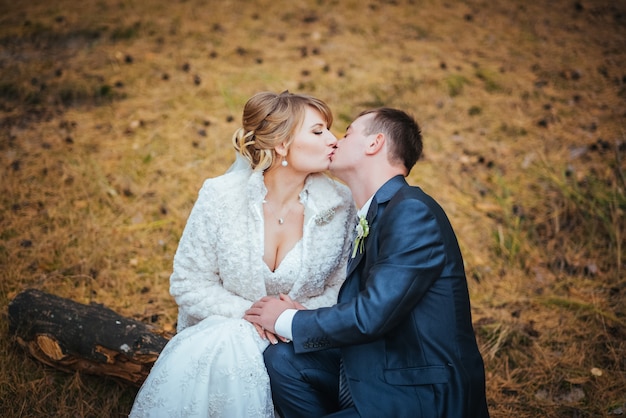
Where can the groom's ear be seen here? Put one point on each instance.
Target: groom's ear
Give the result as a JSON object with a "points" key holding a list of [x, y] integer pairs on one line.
{"points": [[376, 144]]}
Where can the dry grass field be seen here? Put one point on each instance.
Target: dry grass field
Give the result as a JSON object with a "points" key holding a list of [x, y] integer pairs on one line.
{"points": [[113, 112]]}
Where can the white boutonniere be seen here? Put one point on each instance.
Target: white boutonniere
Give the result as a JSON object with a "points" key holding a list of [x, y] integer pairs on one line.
{"points": [[362, 231]]}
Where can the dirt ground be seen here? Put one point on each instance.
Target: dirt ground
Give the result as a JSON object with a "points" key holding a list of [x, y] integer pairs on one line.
{"points": [[112, 113]]}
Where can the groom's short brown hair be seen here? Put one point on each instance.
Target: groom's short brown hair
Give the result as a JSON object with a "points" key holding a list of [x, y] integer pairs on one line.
{"points": [[405, 136]]}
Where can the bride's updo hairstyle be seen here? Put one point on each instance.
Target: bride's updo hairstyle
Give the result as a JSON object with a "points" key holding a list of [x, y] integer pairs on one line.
{"points": [[271, 119]]}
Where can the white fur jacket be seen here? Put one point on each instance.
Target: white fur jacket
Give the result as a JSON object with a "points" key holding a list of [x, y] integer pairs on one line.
{"points": [[219, 267]]}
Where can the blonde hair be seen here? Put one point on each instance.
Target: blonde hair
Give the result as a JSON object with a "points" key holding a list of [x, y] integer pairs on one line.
{"points": [[271, 119]]}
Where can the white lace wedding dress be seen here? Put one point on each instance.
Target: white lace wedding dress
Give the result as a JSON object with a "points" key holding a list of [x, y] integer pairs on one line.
{"points": [[220, 370], [214, 366]]}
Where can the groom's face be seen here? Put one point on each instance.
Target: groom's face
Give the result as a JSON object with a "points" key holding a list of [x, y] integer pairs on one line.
{"points": [[351, 148]]}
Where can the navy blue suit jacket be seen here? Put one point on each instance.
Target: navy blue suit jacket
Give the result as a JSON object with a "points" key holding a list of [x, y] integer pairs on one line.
{"points": [[403, 320]]}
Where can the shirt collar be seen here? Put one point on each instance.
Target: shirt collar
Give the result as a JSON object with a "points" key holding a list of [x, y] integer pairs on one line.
{"points": [[365, 207]]}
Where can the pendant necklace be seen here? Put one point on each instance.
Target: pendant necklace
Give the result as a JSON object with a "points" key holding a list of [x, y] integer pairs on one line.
{"points": [[280, 219]]}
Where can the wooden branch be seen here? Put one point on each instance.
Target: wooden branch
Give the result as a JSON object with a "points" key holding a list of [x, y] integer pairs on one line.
{"points": [[91, 338]]}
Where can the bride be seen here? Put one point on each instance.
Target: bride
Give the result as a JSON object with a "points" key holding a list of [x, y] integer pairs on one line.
{"points": [[273, 224]]}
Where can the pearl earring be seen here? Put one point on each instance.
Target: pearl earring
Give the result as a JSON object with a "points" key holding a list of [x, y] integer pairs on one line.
{"points": [[284, 162]]}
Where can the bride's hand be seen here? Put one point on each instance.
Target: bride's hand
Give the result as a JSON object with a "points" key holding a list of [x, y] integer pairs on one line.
{"points": [[296, 305], [268, 335]]}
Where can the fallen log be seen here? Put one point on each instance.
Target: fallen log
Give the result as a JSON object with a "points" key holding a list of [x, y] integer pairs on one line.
{"points": [[92, 339]]}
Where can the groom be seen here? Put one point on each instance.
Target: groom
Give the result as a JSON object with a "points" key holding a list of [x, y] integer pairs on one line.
{"points": [[399, 342]]}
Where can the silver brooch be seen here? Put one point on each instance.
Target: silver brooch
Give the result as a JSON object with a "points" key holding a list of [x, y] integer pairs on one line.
{"points": [[325, 217]]}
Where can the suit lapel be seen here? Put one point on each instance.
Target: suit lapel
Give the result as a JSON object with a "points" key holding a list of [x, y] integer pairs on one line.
{"points": [[382, 196], [371, 215]]}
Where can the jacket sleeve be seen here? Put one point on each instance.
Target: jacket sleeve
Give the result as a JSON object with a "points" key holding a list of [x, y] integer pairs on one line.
{"points": [[195, 283], [410, 257]]}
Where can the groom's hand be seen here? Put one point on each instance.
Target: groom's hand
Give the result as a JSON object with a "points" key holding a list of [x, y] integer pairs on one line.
{"points": [[266, 310]]}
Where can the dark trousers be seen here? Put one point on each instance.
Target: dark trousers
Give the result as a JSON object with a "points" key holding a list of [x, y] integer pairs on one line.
{"points": [[305, 385]]}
